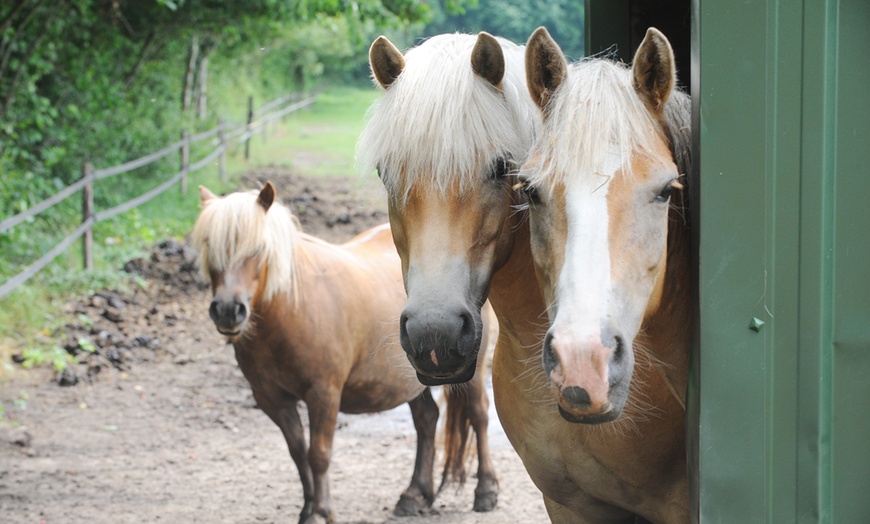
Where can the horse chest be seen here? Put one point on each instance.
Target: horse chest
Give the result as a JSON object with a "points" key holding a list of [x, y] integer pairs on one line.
{"points": [[570, 463], [276, 364]]}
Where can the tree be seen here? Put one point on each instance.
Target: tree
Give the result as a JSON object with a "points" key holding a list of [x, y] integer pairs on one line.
{"points": [[516, 20]]}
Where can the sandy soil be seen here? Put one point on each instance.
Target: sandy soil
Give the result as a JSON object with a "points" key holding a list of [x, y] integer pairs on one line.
{"points": [[157, 424]]}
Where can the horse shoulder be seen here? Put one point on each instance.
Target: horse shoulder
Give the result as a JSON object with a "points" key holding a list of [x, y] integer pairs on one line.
{"points": [[273, 361]]}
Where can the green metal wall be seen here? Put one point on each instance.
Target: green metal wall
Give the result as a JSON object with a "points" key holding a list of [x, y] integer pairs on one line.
{"points": [[782, 128]]}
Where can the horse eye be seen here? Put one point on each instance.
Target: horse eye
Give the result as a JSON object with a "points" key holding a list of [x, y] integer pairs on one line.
{"points": [[500, 168], [530, 191], [665, 193]]}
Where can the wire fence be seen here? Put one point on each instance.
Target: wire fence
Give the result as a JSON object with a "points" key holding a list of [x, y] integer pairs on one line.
{"points": [[257, 122]]}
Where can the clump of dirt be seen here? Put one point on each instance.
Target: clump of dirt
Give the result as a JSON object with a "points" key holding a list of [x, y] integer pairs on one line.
{"points": [[115, 329]]}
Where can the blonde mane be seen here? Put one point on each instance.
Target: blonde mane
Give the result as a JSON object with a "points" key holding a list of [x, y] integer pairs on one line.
{"points": [[440, 123], [593, 116], [233, 228]]}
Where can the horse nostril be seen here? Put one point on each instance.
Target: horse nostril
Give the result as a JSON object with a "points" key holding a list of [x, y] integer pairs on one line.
{"points": [[576, 396], [240, 311], [213, 310], [550, 358], [404, 338], [468, 329], [619, 351]]}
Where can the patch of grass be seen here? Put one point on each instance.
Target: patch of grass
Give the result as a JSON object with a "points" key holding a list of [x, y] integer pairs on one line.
{"points": [[27, 326], [322, 138]]}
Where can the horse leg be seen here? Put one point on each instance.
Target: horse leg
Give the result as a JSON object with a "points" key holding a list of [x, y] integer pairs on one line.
{"points": [[286, 416], [421, 493], [322, 413], [486, 492], [294, 434]]}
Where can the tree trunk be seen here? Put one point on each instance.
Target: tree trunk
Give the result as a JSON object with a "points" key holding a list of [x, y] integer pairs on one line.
{"points": [[299, 76], [202, 86], [187, 94]]}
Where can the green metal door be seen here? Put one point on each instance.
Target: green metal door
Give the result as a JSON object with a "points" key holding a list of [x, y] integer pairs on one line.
{"points": [[782, 124]]}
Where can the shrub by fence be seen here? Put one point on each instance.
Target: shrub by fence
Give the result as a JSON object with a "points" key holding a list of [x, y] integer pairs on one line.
{"points": [[257, 122]]}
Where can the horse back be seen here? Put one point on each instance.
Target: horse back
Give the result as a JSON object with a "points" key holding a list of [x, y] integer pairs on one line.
{"points": [[373, 242], [340, 326]]}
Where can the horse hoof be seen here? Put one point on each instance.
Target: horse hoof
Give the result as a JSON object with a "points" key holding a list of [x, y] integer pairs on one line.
{"points": [[315, 518], [484, 502], [410, 506]]}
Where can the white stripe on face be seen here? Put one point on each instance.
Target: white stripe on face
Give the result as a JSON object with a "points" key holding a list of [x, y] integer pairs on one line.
{"points": [[584, 284]]}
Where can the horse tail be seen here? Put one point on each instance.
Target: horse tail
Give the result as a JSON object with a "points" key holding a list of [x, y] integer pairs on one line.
{"points": [[462, 402], [456, 434]]}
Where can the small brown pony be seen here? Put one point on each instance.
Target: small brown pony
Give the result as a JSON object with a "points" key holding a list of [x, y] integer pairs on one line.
{"points": [[620, 454], [315, 322]]}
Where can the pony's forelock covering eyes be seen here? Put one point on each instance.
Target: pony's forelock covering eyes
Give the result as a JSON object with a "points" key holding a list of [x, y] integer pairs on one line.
{"points": [[230, 230]]}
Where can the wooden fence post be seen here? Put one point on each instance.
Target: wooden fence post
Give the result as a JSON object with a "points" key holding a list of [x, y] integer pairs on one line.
{"points": [[87, 213], [222, 162], [250, 119], [185, 160]]}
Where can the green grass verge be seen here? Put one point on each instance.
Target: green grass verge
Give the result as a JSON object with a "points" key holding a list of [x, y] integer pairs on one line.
{"points": [[319, 140], [322, 138]]}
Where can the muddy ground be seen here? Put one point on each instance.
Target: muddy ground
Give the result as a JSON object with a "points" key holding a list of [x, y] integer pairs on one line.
{"points": [[157, 424]]}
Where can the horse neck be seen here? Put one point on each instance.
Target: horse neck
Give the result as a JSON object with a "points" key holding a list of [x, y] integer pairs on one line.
{"points": [[517, 299], [668, 329]]}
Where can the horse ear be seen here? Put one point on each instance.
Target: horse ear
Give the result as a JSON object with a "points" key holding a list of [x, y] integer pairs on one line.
{"points": [[266, 196], [386, 61], [654, 71], [546, 66], [205, 196], [487, 59]]}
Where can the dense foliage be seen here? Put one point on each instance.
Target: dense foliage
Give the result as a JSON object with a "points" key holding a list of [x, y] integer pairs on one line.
{"points": [[516, 20], [105, 81]]}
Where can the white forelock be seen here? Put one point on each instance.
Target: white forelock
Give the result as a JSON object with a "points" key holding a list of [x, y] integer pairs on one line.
{"points": [[593, 115], [440, 123], [233, 228]]}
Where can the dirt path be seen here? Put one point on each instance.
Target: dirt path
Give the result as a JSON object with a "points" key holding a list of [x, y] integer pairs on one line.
{"points": [[160, 425]]}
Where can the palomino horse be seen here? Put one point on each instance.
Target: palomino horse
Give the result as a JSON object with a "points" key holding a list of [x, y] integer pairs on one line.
{"points": [[610, 472], [610, 245], [454, 119], [315, 322]]}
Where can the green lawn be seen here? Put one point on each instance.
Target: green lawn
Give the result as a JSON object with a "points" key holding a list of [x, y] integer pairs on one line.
{"points": [[319, 140]]}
